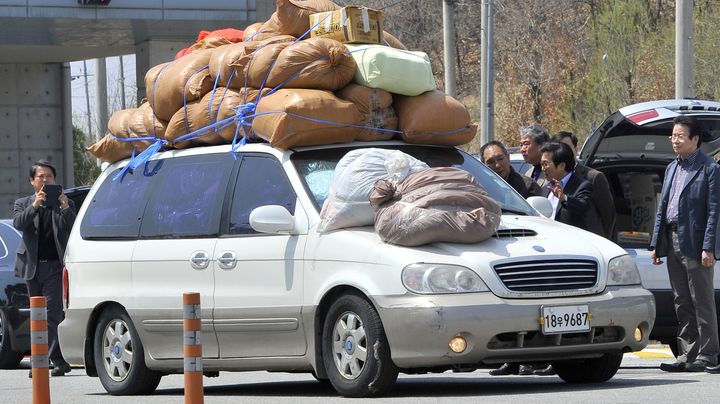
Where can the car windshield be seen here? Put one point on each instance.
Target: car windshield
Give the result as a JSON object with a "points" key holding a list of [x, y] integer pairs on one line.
{"points": [[316, 168]]}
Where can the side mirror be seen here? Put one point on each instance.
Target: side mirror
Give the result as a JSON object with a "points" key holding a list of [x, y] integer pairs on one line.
{"points": [[541, 204], [272, 219]]}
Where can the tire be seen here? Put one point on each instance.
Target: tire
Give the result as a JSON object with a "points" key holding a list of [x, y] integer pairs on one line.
{"points": [[595, 370], [355, 351], [120, 357], [9, 359]]}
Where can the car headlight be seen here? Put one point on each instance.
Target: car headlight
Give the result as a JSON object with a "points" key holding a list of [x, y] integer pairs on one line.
{"points": [[622, 270], [441, 278]]}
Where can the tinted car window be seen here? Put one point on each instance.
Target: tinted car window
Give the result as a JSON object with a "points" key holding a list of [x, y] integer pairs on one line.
{"points": [[9, 240], [261, 181], [316, 168], [188, 199], [116, 208]]}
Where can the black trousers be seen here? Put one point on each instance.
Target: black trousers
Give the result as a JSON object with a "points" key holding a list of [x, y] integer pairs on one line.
{"points": [[48, 282]]}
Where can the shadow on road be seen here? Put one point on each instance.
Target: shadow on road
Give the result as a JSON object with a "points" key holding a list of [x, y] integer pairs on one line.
{"points": [[433, 387]]}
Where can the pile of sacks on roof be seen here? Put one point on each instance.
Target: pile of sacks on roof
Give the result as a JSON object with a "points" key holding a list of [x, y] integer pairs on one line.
{"points": [[409, 203], [313, 74]]}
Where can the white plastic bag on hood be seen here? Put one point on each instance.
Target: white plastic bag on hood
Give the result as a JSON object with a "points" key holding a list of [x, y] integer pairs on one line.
{"points": [[348, 203]]}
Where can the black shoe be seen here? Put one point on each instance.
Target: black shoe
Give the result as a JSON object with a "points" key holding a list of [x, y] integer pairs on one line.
{"points": [[30, 374], [525, 370], [505, 369], [697, 366], [60, 370], [713, 369], [673, 367], [547, 371]]}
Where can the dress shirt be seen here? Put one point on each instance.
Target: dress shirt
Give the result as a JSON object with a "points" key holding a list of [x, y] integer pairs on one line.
{"points": [[676, 186]]}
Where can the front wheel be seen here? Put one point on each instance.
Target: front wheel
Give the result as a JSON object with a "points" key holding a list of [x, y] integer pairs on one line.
{"points": [[355, 351], [596, 370], [119, 356]]}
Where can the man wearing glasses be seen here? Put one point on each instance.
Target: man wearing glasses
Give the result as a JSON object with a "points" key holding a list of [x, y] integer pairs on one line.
{"points": [[685, 233]]}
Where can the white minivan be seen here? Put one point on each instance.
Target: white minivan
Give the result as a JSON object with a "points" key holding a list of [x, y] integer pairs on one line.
{"points": [[240, 228]]}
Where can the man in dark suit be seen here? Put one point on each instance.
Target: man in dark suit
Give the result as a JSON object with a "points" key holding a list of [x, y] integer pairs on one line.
{"points": [[495, 155], [45, 232], [569, 194], [531, 140], [685, 232], [603, 222]]}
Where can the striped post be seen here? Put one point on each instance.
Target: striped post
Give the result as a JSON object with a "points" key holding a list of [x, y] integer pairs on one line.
{"points": [[192, 349], [39, 350]]}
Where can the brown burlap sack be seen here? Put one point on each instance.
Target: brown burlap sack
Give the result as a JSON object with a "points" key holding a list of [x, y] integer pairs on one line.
{"points": [[433, 118], [111, 150], [251, 30], [292, 17], [443, 204], [319, 63], [376, 106], [284, 125], [260, 62], [154, 126], [231, 61], [212, 108], [392, 42], [119, 121], [209, 43], [183, 79]]}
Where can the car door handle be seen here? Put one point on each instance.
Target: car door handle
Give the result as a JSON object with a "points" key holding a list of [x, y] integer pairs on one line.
{"points": [[227, 260], [199, 260]]}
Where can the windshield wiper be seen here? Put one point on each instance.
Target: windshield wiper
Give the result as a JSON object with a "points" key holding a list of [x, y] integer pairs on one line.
{"points": [[517, 212]]}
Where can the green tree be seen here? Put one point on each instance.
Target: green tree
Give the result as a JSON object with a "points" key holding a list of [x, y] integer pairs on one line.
{"points": [[84, 165]]}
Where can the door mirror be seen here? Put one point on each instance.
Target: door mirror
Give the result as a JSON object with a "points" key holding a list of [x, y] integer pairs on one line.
{"points": [[272, 219], [541, 204]]}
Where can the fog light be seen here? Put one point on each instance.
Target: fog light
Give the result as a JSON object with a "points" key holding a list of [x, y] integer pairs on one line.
{"points": [[458, 344], [638, 334]]}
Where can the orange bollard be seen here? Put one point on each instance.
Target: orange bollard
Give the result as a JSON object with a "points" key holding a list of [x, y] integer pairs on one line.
{"points": [[192, 349], [39, 350]]}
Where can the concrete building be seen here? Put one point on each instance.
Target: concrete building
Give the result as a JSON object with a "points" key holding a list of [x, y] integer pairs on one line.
{"points": [[38, 39]]}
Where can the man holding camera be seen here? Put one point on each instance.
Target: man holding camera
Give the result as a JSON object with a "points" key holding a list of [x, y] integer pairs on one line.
{"points": [[45, 220]]}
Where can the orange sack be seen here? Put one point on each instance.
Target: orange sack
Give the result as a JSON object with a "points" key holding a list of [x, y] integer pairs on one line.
{"points": [[251, 30], [433, 118], [184, 79], [301, 117], [319, 63], [230, 61], [292, 17], [154, 126], [376, 107], [260, 62], [212, 108]]}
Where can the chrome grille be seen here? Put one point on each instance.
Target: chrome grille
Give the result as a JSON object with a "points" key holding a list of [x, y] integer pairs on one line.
{"points": [[514, 233], [548, 275]]}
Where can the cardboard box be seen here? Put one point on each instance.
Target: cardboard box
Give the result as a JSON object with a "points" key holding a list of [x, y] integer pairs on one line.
{"points": [[349, 24], [643, 203]]}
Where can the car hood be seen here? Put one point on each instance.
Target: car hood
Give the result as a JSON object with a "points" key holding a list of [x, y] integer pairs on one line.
{"points": [[641, 131]]}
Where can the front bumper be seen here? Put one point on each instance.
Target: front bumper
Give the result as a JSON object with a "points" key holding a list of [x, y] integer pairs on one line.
{"points": [[498, 330]]}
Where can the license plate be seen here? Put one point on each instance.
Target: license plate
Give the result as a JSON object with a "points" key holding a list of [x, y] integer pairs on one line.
{"points": [[565, 319]]}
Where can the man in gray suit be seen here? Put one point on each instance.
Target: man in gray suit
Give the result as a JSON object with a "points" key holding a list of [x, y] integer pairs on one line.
{"points": [[532, 138], [45, 232], [685, 233], [603, 223]]}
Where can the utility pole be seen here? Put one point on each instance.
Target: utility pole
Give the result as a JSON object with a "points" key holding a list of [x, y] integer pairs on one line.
{"points": [[101, 107], [450, 56], [487, 88], [684, 56], [122, 83], [88, 134]]}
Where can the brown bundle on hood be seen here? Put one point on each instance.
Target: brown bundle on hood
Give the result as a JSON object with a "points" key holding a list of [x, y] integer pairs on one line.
{"points": [[441, 204], [319, 63], [301, 117], [229, 62], [185, 79], [376, 106], [392, 42], [154, 126], [110, 149], [434, 118], [251, 30]]}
